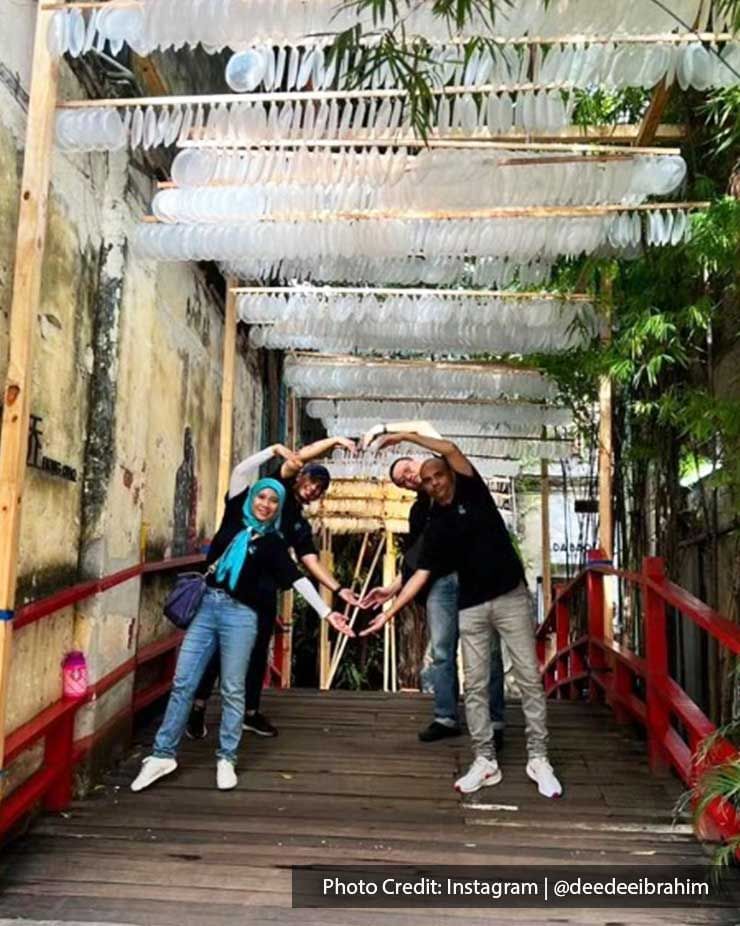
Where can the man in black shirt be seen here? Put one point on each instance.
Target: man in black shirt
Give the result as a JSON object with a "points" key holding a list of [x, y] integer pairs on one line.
{"points": [[441, 604], [466, 532], [305, 481]]}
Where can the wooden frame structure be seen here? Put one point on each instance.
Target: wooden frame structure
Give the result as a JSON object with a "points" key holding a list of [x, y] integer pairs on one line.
{"points": [[31, 234]]}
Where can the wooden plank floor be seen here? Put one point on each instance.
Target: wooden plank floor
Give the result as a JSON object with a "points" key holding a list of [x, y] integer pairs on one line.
{"points": [[346, 782]]}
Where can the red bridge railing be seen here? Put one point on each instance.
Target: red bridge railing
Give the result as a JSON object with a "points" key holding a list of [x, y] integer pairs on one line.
{"points": [[638, 687], [52, 783]]}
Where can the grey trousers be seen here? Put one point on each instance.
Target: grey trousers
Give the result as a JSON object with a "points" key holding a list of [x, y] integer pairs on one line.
{"points": [[512, 615]]}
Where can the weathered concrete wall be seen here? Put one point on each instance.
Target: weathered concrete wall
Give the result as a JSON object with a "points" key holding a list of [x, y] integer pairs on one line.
{"points": [[126, 384]]}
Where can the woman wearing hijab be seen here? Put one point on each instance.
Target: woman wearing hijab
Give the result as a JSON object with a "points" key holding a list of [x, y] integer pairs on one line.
{"points": [[248, 562]]}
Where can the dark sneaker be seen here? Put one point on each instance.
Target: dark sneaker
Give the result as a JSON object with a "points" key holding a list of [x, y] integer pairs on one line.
{"points": [[438, 731], [498, 739], [196, 728], [258, 724]]}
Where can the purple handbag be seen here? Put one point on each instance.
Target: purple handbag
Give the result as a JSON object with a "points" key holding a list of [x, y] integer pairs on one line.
{"points": [[182, 603]]}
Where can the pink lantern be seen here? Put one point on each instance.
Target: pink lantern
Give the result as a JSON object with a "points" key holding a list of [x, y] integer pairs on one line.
{"points": [[74, 675]]}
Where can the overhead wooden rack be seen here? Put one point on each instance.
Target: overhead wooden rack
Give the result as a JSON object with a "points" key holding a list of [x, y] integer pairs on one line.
{"points": [[499, 212], [400, 291]]}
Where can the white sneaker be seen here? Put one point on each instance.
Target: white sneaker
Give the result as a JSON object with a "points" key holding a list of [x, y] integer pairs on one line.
{"points": [[540, 771], [225, 775], [482, 774], [152, 768]]}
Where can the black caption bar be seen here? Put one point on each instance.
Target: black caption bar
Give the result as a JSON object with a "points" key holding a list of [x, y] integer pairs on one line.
{"points": [[594, 886]]}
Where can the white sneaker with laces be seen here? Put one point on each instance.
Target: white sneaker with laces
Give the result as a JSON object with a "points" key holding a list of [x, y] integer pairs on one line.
{"points": [[225, 775], [152, 768], [540, 771], [482, 774]]}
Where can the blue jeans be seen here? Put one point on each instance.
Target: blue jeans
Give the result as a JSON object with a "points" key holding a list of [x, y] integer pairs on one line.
{"points": [[444, 633], [223, 623]]}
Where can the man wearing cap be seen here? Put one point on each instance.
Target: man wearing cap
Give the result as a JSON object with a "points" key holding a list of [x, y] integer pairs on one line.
{"points": [[305, 481]]}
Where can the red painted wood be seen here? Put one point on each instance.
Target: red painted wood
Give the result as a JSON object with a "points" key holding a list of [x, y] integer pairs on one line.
{"points": [[17, 804], [723, 630], [37, 610], [29, 733], [656, 654], [58, 756]]}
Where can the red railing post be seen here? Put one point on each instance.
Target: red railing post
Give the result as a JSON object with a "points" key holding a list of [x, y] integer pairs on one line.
{"points": [[562, 636], [595, 605], [656, 656], [58, 755]]}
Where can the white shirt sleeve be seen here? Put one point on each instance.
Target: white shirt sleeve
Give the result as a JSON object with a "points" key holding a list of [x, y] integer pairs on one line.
{"points": [[306, 589], [244, 472]]}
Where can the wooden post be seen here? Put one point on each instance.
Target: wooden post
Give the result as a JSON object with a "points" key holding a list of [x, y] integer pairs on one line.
{"points": [[562, 637], [606, 456], [29, 254], [545, 516], [286, 618], [327, 559], [595, 600], [656, 654], [389, 574], [227, 399]]}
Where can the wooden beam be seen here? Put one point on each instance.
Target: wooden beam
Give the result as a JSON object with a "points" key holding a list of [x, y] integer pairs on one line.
{"points": [[328, 291], [606, 436], [29, 254], [389, 574], [442, 215], [651, 121], [606, 453], [227, 400], [545, 522], [286, 618], [326, 556]]}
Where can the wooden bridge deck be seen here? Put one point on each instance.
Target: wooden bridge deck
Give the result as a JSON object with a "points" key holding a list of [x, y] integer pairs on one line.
{"points": [[347, 782]]}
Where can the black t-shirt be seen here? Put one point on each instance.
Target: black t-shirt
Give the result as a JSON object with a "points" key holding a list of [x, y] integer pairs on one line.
{"points": [[268, 567], [293, 525], [469, 536], [419, 523]]}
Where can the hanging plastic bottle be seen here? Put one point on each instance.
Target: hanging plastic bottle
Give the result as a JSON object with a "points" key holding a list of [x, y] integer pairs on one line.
{"points": [[74, 675]]}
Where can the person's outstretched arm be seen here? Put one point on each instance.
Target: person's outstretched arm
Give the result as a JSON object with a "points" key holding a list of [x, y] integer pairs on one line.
{"points": [[245, 472], [407, 594], [380, 594], [338, 621], [394, 427], [318, 570], [313, 451], [443, 448]]}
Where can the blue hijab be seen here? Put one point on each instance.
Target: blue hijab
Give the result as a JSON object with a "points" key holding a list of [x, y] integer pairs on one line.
{"points": [[231, 563]]}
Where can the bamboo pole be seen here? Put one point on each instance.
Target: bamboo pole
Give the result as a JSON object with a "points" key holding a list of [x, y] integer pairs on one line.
{"points": [[327, 560], [389, 574], [545, 522], [630, 39], [336, 655], [30, 242], [286, 618], [342, 642], [227, 400], [606, 456], [298, 96], [443, 215], [418, 291], [508, 142], [494, 366]]}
